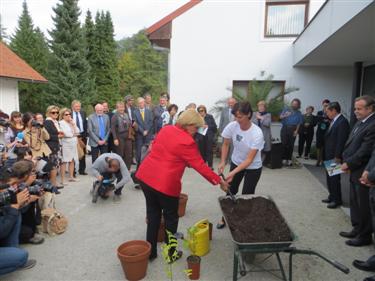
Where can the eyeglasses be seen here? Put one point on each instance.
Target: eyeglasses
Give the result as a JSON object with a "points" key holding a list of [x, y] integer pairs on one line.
{"points": [[201, 110], [54, 112], [67, 114]]}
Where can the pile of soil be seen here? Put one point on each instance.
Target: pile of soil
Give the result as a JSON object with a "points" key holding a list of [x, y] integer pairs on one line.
{"points": [[255, 220]]}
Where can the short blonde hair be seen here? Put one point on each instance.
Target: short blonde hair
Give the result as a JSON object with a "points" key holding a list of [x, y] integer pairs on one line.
{"points": [[76, 102], [50, 108], [262, 102], [190, 117], [62, 112]]}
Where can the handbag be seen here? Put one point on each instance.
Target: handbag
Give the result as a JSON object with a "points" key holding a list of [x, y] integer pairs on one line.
{"points": [[80, 148], [53, 222]]}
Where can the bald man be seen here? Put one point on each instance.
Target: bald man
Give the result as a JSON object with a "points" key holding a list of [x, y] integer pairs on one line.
{"points": [[98, 129]]}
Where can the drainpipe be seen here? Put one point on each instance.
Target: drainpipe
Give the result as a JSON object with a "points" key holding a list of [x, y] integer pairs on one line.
{"points": [[356, 90]]}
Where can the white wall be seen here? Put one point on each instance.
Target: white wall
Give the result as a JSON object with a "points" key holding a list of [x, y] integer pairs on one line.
{"points": [[217, 42], [8, 95]]}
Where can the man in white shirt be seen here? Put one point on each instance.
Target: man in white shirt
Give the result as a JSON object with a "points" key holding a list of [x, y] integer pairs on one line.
{"points": [[79, 118]]}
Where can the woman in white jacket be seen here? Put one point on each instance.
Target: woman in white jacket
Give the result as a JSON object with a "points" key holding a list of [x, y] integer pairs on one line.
{"points": [[68, 143]]}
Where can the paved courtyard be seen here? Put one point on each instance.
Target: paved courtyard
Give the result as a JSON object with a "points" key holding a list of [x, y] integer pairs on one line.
{"points": [[87, 251]]}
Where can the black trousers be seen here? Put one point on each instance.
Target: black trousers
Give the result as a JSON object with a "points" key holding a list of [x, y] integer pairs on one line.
{"points": [[306, 136], [334, 188], [205, 144], [288, 139], [251, 180], [157, 204], [82, 162], [360, 212], [95, 151], [30, 221]]}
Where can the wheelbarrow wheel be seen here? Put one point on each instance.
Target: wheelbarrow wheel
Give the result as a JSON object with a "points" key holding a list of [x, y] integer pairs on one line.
{"points": [[243, 272]]}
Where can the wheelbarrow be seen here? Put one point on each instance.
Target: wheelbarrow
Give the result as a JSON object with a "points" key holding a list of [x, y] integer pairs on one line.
{"points": [[271, 248]]}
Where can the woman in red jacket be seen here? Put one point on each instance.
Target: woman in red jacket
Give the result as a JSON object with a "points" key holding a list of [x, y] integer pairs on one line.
{"points": [[161, 171]]}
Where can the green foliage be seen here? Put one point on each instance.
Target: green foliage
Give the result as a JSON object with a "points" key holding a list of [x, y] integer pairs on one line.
{"points": [[30, 44], [102, 56], [142, 69], [259, 90], [69, 71]]}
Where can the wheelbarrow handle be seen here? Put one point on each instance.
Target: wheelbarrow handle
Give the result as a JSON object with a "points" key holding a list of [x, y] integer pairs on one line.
{"points": [[229, 192], [341, 267]]}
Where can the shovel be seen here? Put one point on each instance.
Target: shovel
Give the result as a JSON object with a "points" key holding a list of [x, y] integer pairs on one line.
{"points": [[232, 197]]}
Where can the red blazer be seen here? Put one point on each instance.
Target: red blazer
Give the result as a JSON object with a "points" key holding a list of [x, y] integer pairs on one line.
{"points": [[172, 151]]}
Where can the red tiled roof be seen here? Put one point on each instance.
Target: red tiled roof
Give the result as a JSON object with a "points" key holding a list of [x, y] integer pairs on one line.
{"points": [[172, 16], [12, 66]]}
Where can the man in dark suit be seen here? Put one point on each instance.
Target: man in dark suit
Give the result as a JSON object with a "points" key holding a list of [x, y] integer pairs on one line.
{"points": [[356, 155], [334, 143], [79, 118], [98, 130], [144, 121], [368, 179], [107, 111], [158, 111]]}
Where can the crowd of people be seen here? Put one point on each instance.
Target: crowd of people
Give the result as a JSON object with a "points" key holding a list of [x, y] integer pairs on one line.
{"points": [[135, 141]]}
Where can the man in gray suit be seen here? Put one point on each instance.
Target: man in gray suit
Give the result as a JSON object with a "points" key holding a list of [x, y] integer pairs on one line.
{"points": [[145, 130], [226, 117], [98, 129]]}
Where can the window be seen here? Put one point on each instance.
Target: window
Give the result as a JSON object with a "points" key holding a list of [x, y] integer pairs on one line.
{"points": [[285, 18]]}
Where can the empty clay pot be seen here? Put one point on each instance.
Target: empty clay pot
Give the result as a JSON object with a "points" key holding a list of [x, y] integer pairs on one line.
{"points": [[134, 258], [194, 263], [182, 204]]}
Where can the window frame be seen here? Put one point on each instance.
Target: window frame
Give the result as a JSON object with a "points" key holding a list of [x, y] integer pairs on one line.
{"points": [[283, 3]]}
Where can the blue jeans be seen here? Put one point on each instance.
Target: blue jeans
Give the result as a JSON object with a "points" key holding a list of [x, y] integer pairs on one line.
{"points": [[12, 258], [12, 240]]}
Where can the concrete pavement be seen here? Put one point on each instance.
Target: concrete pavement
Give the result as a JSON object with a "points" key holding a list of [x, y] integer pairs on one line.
{"points": [[87, 251]]}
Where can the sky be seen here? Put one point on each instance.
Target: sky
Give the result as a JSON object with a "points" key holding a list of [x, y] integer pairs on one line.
{"points": [[129, 16]]}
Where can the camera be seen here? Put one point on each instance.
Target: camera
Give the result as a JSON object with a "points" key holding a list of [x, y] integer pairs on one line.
{"points": [[36, 124], [8, 196], [38, 186], [4, 123]]}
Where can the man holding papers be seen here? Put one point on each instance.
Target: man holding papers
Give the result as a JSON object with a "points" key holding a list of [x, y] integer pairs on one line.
{"points": [[334, 142]]}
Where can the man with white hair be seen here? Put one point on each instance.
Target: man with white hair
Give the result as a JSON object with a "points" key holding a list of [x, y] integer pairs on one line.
{"points": [[98, 129]]}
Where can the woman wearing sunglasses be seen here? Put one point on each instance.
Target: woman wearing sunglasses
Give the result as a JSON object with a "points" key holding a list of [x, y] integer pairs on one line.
{"points": [[68, 144], [51, 124]]}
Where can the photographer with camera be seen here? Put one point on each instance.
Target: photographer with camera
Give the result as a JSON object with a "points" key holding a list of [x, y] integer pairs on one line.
{"points": [[12, 257], [107, 167], [36, 136]]}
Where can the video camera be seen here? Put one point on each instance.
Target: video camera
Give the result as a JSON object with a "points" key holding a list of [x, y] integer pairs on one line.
{"points": [[4, 123], [8, 196], [36, 124]]}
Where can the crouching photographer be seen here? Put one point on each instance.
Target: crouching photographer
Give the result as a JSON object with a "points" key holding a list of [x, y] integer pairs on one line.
{"points": [[13, 198], [107, 168]]}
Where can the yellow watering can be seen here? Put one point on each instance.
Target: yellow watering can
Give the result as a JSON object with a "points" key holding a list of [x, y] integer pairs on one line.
{"points": [[199, 242]]}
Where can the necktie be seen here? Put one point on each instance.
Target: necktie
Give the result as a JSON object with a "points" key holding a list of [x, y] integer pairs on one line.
{"points": [[77, 122], [143, 114], [101, 128]]}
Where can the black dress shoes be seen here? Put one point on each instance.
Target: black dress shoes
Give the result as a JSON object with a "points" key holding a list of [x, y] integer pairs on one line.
{"points": [[333, 205], [358, 242], [371, 278], [326, 201], [83, 173], [363, 265], [350, 234]]}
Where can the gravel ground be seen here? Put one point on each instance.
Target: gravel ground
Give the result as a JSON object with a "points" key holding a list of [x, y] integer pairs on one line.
{"points": [[87, 251]]}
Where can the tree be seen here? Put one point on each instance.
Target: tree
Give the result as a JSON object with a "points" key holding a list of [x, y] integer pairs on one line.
{"points": [[142, 69], [30, 44], [3, 32], [102, 56], [69, 71]]}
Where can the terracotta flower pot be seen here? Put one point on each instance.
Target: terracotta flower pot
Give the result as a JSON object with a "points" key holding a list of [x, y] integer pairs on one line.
{"points": [[182, 204], [134, 258], [194, 263]]}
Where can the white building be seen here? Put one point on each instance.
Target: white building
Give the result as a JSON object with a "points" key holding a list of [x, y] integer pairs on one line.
{"points": [[12, 70], [325, 48]]}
